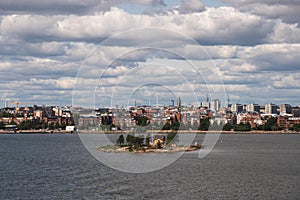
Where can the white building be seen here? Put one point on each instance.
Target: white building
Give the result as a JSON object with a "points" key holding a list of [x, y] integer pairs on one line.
{"points": [[236, 107], [271, 108], [252, 107], [215, 105], [285, 109]]}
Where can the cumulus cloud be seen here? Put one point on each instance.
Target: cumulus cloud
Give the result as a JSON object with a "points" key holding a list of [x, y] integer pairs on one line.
{"points": [[287, 81], [43, 47], [288, 11], [272, 57], [190, 6], [213, 26]]}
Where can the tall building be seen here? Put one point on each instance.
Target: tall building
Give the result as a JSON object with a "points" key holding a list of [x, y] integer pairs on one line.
{"points": [[206, 104], [235, 107], [271, 108], [285, 109], [179, 103], [262, 109], [215, 105], [252, 107], [296, 112]]}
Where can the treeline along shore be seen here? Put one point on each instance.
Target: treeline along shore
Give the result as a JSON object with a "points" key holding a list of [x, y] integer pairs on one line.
{"points": [[128, 132]]}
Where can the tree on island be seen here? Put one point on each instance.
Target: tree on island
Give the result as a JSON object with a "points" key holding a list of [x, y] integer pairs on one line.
{"points": [[204, 124], [134, 141], [217, 126], [141, 121], [188, 125], [158, 145], [195, 125], [147, 140], [171, 136], [175, 126], [120, 140], [167, 126]]}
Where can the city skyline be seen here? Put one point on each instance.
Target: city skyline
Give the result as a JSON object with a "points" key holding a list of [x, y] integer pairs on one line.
{"points": [[252, 51]]}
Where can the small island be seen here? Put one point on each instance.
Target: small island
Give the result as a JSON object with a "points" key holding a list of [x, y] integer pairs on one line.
{"points": [[158, 143]]}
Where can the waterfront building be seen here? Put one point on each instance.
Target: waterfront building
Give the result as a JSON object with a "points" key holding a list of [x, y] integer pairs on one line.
{"points": [[237, 108], [296, 112], [285, 109], [271, 108], [87, 121], [286, 122], [253, 108], [252, 117], [215, 105], [205, 105]]}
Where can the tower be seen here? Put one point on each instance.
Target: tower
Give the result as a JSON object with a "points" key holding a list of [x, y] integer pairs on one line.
{"points": [[207, 98], [179, 109], [178, 103], [228, 102]]}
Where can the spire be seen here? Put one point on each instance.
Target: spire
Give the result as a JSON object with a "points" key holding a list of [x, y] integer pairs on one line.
{"points": [[207, 98]]}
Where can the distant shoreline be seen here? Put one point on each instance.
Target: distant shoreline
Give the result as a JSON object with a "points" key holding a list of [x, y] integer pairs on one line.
{"points": [[161, 131], [34, 132], [193, 131]]}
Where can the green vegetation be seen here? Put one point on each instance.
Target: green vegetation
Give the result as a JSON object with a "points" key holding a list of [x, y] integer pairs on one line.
{"points": [[296, 127], [120, 140], [159, 146], [147, 143], [171, 136], [141, 121], [243, 127], [271, 124], [167, 126], [175, 126], [36, 125], [227, 127], [216, 126], [2, 125], [135, 142], [6, 114], [204, 124]]}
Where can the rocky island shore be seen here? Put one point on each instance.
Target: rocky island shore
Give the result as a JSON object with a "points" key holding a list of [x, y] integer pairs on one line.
{"points": [[171, 149]]}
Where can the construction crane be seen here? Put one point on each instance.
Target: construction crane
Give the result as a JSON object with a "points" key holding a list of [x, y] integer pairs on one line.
{"points": [[18, 103], [5, 100]]}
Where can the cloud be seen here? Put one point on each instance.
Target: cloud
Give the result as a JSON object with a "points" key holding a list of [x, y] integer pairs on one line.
{"points": [[47, 6], [272, 57], [213, 26], [190, 6], [67, 7], [285, 33], [42, 50], [288, 11], [288, 81]]}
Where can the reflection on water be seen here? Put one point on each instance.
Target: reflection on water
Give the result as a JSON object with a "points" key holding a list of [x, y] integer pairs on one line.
{"points": [[239, 167]]}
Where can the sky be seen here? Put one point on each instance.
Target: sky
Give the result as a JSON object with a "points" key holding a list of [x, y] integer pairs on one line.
{"points": [[98, 53]]}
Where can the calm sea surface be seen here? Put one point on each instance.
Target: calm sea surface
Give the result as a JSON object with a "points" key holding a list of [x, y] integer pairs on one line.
{"points": [[239, 167]]}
